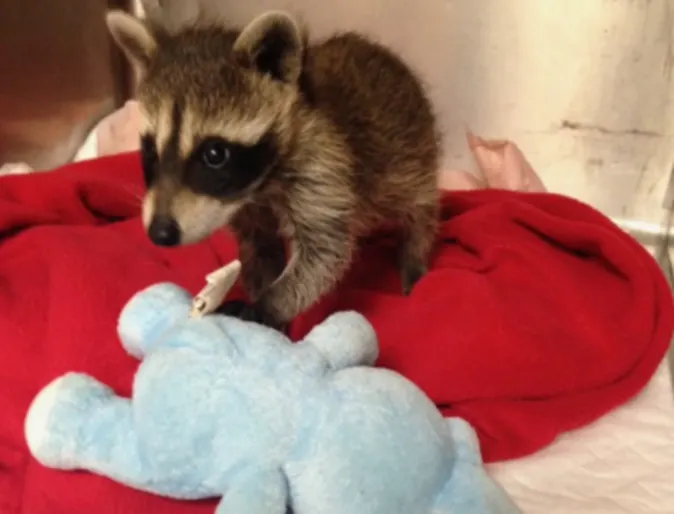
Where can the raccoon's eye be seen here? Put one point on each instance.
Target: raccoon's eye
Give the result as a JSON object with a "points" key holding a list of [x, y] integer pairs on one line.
{"points": [[215, 154]]}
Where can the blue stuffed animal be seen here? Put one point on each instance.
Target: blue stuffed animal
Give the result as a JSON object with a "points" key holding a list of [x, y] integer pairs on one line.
{"points": [[223, 407]]}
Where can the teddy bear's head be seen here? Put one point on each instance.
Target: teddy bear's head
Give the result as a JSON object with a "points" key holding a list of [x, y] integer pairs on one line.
{"points": [[241, 380]]}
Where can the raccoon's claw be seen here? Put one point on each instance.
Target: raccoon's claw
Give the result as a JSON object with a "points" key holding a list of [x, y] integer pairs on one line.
{"points": [[249, 312], [232, 308], [410, 275]]}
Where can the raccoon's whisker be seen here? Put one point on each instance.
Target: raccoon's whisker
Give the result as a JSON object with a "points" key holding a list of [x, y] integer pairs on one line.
{"points": [[257, 203], [136, 194]]}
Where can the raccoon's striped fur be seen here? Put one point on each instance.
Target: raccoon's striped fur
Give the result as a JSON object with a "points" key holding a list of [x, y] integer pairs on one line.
{"points": [[315, 144]]}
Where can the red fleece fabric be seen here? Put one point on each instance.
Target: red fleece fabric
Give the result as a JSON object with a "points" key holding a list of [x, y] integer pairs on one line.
{"points": [[537, 317]]}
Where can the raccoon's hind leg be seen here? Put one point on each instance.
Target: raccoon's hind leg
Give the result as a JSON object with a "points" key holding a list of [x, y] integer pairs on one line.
{"points": [[419, 229]]}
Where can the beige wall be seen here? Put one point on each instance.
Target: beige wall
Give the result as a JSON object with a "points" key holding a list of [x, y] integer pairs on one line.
{"points": [[584, 86], [56, 76]]}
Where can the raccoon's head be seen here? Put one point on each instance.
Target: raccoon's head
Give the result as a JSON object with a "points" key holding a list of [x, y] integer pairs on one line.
{"points": [[218, 107]]}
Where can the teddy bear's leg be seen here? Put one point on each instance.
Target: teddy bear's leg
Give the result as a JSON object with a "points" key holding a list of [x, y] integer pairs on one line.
{"points": [[470, 488], [345, 339], [465, 440], [257, 492], [78, 423]]}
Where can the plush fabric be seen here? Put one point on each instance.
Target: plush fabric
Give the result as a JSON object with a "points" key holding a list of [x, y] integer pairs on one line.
{"points": [[537, 317], [226, 408]]}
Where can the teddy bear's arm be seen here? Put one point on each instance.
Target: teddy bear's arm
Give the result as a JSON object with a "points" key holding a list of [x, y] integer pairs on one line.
{"points": [[345, 339], [76, 422], [256, 492]]}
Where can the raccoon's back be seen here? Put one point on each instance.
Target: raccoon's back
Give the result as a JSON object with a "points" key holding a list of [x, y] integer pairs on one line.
{"points": [[375, 99]]}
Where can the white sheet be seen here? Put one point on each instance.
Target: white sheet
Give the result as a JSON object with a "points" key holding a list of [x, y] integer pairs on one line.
{"points": [[623, 463]]}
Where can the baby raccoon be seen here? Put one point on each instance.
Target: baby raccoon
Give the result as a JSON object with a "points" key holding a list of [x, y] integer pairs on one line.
{"points": [[255, 129]]}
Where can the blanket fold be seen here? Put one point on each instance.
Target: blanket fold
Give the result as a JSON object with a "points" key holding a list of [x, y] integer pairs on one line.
{"points": [[537, 317]]}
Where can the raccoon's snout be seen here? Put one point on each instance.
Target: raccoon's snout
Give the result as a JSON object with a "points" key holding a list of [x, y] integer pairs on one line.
{"points": [[164, 231]]}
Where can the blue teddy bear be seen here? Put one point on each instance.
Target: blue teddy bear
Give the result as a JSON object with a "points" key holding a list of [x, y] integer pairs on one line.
{"points": [[223, 407]]}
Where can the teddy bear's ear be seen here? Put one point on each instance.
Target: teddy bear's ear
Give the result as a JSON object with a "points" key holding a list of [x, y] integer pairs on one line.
{"points": [[345, 339], [149, 314]]}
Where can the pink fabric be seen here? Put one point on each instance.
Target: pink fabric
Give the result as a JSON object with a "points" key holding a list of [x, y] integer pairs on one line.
{"points": [[501, 165]]}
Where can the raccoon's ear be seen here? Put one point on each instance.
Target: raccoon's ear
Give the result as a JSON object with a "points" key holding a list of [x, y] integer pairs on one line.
{"points": [[133, 37], [272, 43]]}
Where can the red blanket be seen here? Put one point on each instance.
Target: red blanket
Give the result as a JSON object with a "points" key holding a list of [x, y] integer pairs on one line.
{"points": [[538, 316]]}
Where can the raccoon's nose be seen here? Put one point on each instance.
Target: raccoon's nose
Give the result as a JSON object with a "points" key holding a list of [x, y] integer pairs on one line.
{"points": [[164, 231]]}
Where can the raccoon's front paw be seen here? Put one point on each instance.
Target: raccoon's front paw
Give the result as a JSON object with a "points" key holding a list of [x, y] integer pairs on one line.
{"points": [[232, 308], [249, 312]]}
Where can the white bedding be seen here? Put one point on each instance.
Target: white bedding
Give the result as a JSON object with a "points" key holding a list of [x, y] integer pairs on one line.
{"points": [[623, 463]]}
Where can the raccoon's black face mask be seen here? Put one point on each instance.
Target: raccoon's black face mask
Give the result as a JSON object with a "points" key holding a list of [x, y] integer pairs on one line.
{"points": [[198, 179], [216, 167], [191, 194]]}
